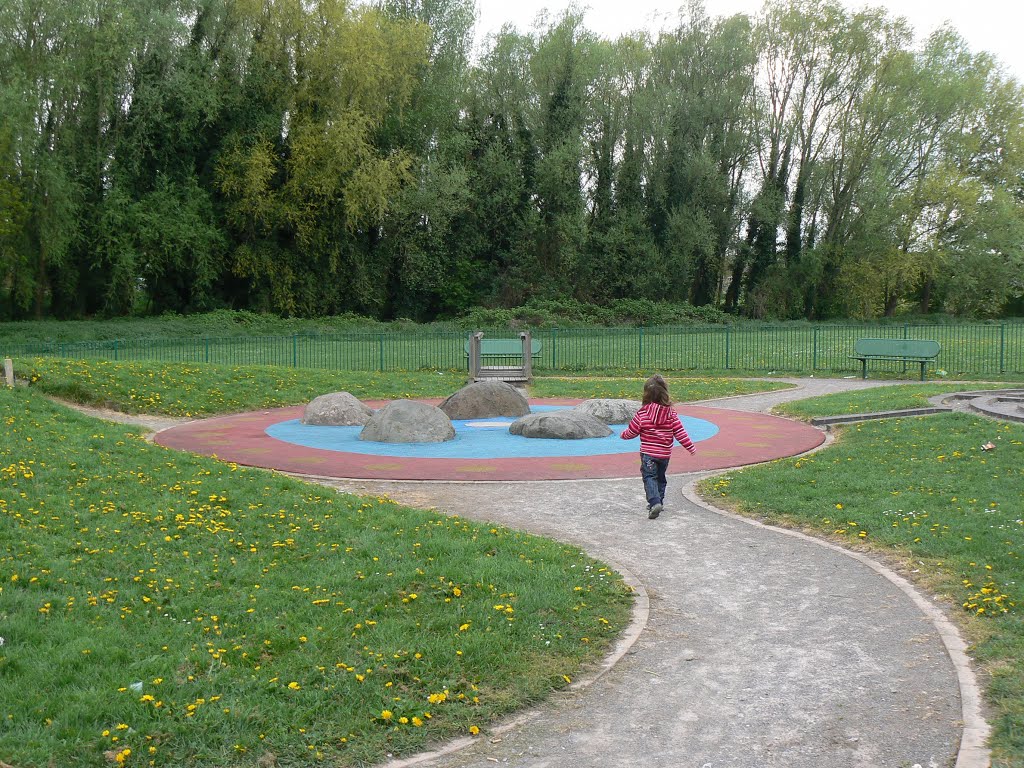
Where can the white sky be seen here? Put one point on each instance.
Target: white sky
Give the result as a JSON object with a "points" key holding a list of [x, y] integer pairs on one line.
{"points": [[987, 25]]}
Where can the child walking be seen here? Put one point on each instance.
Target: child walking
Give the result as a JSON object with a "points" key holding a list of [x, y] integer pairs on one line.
{"points": [[656, 424]]}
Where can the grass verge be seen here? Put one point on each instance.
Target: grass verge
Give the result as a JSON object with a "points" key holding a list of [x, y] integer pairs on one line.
{"points": [[923, 491], [200, 389], [877, 399], [164, 609]]}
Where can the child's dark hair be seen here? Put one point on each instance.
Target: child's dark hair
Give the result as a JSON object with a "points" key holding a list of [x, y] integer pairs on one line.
{"points": [[656, 391]]}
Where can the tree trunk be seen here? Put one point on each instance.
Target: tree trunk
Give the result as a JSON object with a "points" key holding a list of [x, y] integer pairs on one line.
{"points": [[926, 296]]}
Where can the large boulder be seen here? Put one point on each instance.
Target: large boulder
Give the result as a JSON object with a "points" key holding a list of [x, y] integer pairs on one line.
{"points": [[608, 410], [407, 421], [567, 424], [486, 399], [337, 409]]}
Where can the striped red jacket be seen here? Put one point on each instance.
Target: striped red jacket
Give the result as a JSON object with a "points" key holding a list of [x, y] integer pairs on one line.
{"points": [[657, 424]]}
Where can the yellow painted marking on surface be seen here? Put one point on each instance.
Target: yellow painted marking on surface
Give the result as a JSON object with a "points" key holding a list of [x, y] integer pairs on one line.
{"points": [[477, 468]]}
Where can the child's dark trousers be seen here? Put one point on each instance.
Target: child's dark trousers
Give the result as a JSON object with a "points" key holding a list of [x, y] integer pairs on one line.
{"points": [[653, 470]]}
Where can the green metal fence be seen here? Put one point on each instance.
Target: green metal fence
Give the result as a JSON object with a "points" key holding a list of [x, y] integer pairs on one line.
{"points": [[978, 349]]}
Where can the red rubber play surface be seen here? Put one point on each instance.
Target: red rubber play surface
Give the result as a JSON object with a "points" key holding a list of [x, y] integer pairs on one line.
{"points": [[743, 438]]}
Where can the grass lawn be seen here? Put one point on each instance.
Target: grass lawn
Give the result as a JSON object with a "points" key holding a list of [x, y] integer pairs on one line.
{"points": [[158, 608], [922, 492]]}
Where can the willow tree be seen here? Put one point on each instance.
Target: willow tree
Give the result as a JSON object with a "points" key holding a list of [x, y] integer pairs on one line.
{"points": [[305, 185], [39, 94], [703, 72]]}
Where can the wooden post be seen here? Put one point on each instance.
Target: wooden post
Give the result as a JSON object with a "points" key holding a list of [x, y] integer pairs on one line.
{"points": [[9, 371], [527, 355], [474, 355]]}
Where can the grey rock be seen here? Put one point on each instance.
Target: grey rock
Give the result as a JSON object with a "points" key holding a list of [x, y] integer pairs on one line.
{"points": [[610, 411], [486, 399], [337, 409], [560, 425], [408, 421]]}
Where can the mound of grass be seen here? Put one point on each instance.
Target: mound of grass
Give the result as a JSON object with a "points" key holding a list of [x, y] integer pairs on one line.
{"points": [[164, 609], [202, 389]]}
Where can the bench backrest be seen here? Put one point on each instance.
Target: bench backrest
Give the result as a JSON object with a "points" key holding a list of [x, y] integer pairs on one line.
{"points": [[918, 348], [505, 347]]}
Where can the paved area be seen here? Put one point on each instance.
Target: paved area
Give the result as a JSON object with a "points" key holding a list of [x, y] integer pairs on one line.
{"points": [[1007, 404], [743, 437], [758, 648]]}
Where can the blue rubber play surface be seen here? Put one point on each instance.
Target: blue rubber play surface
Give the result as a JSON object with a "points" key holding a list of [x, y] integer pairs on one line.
{"points": [[474, 439]]}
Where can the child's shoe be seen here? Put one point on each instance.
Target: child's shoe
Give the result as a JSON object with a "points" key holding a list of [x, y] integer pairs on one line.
{"points": [[655, 511]]}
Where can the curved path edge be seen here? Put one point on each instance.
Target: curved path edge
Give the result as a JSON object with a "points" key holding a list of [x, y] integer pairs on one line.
{"points": [[973, 752], [639, 615]]}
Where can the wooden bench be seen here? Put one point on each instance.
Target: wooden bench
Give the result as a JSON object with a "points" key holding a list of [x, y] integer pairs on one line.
{"points": [[502, 359], [920, 351]]}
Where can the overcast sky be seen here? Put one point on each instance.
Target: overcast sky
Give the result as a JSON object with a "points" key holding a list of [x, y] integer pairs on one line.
{"points": [[987, 25]]}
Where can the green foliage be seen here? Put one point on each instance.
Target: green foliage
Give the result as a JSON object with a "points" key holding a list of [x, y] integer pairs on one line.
{"points": [[551, 313], [320, 158]]}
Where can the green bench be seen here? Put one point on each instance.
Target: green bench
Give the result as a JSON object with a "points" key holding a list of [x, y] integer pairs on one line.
{"points": [[921, 351], [504, 351]]}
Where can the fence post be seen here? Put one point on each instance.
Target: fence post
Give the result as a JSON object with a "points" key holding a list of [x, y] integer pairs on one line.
{"points": [[906, 335], [116, 351], [554, 349], [380, 341], [640, 364], [1002, 348], [295, 350], [814, 356], [206, 341], [727, 347]]}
